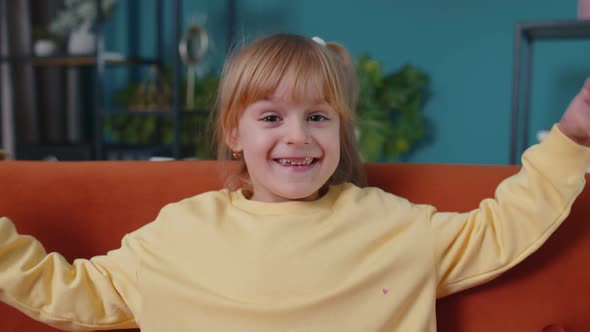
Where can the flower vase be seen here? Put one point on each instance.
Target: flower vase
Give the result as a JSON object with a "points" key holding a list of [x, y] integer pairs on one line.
{"points": [[82, 40], [44, 47]]}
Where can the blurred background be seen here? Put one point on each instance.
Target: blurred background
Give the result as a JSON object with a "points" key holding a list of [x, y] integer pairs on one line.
{"points": [[134, 79]]}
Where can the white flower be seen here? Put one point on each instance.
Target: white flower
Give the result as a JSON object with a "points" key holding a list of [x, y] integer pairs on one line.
{"points": [[77, 12]]}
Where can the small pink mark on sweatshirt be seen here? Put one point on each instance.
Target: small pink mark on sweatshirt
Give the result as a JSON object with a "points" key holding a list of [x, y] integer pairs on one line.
{"points": [[385, 291]]}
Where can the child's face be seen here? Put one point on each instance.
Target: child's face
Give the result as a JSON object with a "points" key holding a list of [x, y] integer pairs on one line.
{"points": [[291, 148]]}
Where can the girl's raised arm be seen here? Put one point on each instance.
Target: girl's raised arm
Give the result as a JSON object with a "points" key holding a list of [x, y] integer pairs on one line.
{"points": [[474, 247], [95, 294]]}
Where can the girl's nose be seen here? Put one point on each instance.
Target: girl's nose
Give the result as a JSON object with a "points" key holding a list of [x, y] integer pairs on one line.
{"points": [[298, 133]]}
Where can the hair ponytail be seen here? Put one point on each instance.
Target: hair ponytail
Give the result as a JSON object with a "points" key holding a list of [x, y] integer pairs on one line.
{"points": [[348, 63], [351, 168]]}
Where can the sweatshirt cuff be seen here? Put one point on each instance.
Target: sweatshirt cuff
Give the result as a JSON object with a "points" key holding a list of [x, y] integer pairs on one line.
{"points": [[560, 155]]}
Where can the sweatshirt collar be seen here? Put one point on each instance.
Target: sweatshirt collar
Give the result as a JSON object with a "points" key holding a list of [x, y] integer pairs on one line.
{"points": [[323, 204]]}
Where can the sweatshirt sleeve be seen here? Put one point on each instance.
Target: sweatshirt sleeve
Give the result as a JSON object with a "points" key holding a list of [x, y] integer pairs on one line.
{"points": [[475, 247], [95, 294]]}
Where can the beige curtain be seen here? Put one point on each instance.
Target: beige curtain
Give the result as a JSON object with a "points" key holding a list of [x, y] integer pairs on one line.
{"points": [[21, 77], [19, 117], [52, 96], [35, 107], [6, 102]]}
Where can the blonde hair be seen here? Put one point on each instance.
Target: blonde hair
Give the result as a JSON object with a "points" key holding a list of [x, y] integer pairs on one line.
{"points": [[254, 72]]}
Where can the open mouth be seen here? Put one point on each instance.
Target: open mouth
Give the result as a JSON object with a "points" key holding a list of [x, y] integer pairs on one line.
{"points": [[296, 162]]}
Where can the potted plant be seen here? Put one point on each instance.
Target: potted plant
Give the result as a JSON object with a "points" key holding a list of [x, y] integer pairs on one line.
{"points": [[76, 21], [390, 119]]}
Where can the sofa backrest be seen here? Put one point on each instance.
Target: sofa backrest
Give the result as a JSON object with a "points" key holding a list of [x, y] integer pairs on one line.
{"points": [[82, 209]]}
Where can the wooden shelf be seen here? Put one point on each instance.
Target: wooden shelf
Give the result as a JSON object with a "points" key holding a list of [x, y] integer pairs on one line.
{"points": [[526, 34], [61, 151], [154, 112], [72, 61], [571, 29]]}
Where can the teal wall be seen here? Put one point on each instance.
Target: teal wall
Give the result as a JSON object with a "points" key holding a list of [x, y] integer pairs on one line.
{"points": [[465, 46]]}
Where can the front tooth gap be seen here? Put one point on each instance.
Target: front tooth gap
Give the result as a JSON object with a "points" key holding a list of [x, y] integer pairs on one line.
{"points": [[306, 162]]}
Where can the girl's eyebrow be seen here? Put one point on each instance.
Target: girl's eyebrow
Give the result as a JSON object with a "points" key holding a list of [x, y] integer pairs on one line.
{"points": [[268, 100], [262, 101], [314, 103], [261, 104]]}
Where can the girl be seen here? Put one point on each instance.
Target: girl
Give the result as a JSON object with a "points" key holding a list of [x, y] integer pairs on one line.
{"points": [[300, 245]]}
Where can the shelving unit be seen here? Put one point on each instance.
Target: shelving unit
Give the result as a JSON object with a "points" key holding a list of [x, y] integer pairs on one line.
{"points": [[100, 61], [526, 34], [97, 148], [103, 59], [76, 60]]}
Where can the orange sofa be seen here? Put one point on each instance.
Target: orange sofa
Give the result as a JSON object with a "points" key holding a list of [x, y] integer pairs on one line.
{"points": [[82, 209]]}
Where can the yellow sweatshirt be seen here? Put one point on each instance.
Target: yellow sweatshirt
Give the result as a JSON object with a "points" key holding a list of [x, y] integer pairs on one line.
{"points": [[354, 260]]}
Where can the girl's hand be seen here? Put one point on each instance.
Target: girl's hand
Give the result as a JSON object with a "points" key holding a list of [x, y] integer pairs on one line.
{"points": [[575, 122]]}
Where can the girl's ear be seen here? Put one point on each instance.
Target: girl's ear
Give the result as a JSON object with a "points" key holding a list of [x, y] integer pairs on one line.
{"points": [[232, 140]]}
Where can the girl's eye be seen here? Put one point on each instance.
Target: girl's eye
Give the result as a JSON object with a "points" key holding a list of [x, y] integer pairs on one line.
{"points": [[317, 117], [270, 118]]}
